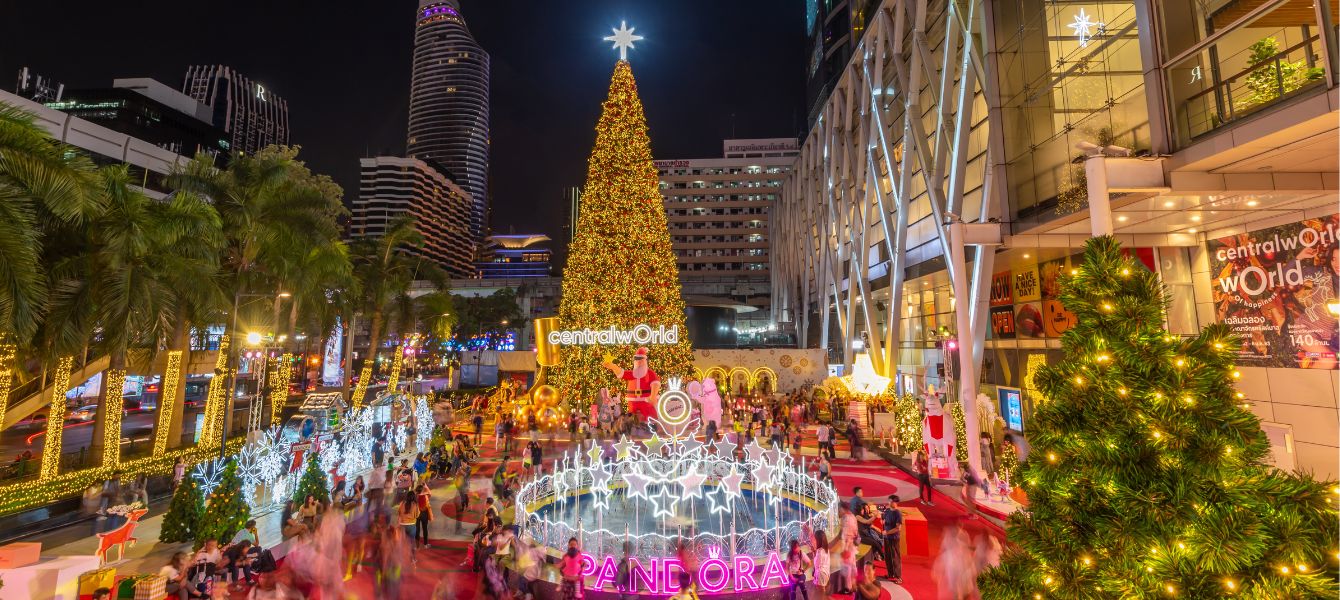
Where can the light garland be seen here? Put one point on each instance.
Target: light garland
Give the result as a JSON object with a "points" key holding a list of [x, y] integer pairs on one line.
{"points": [[280, 378], [257, 404], [7, 352], [167, 402], [114, 382], [51, 447]]}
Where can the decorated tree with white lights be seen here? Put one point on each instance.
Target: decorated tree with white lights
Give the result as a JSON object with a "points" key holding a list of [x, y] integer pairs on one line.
{"points": [[312, 482], [1146, 476], [621, 270], [182, 521]]}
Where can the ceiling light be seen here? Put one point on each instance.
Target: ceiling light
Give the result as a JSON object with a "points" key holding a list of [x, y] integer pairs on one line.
{"points": [[1122, 218], [1192, 230], [1168, 204], [1252, 203], [1195, 217], [1026, 255]]}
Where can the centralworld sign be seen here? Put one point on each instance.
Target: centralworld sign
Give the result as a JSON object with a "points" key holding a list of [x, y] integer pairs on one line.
{"points": [[642, 334]]}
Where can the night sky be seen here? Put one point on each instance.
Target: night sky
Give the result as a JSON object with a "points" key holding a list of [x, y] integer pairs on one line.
{"points": [[709, 69]]}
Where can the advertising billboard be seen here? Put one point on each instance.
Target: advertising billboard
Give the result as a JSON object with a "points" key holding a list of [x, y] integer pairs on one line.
{"points": [[1011, 407], [1276, 289]]}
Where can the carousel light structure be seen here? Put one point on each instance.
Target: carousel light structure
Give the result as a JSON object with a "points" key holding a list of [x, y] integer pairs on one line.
{"points": [[672, 492]]}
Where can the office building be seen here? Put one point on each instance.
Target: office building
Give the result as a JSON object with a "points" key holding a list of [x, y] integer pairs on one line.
{"points": [[1209, 152], [718, 212], [251, 114], [833, 30], [148, 110], [391, 186], [449, 103], [514, 257]]}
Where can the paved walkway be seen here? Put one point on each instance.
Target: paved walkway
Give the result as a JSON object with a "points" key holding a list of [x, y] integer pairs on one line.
{"points": [[439, 567]]}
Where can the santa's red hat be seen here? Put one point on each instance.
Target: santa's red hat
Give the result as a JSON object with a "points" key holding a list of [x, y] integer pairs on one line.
{"points": [[641, 352]]}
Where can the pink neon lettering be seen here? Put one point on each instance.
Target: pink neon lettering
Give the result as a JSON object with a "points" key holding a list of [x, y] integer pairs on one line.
{"points": [[705, 580], [669, 578], [774, 570], [608, 573], [588, 565], [744, 574], [649, 580]]}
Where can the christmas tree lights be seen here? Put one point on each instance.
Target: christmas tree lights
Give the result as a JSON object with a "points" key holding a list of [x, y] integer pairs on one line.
{"points": [[227, 509], [217, 398], [6, 376], [621, 271], [51, 446], [280, 378], [167, 402], [1134, 492], [182, 521], [397, 362], [361, 389]]}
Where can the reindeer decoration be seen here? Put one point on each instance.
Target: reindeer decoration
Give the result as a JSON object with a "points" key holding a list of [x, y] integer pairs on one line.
{"points": [[121, 536]]}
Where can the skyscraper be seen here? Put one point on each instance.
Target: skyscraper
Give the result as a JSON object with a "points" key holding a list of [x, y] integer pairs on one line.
{"points": [[391, 186], [449, 103], [253, 116]]}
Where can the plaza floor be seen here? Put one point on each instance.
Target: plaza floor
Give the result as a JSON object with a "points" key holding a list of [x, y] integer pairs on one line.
{"points": [[438, 573]]}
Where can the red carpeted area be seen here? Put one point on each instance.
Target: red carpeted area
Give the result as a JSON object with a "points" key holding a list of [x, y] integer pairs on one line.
{"points": [[438, 573]]}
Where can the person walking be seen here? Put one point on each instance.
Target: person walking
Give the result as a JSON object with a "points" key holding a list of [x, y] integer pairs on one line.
{"points": [[425, 517], [822, 434], [923, 469], [893, 531]]}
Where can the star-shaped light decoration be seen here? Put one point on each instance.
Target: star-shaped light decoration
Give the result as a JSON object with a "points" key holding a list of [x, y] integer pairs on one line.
{"points": [[600, 489], [720, 500], [637, 485], [654, 445], [595, 453], [623, 447], [763, 476], [1084, 27], [692, 483], [755, 451], [664, 503], [623, 39], [689, 445], [732, 484], [725, 448]]}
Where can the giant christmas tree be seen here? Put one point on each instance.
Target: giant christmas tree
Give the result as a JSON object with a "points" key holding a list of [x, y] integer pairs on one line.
{"points": [[1146, 476], [621, 271]]}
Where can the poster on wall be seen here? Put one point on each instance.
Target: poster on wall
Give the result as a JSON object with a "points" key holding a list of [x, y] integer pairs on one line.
{"points": [[1055, 318], [1002, 307], [1275, 289], [1011, 407]]}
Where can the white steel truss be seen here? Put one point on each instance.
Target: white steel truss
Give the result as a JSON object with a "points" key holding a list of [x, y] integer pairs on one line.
{"points": [[897, 170]]}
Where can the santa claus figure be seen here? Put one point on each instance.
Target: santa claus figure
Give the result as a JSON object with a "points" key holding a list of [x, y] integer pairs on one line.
{"points": [[642, 384], [937, 432]]}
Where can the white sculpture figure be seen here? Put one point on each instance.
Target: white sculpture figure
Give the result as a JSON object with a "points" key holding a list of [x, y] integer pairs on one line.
{"points": [[708, 399], [937, 433]]}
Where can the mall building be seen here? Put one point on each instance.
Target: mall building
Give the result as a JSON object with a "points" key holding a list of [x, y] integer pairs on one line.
{"points": [[970, 148]]}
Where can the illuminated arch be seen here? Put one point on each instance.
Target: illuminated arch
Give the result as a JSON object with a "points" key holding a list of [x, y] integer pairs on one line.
{"points": [[758, 376], [718, 374], [698, 374], [748, 379]]}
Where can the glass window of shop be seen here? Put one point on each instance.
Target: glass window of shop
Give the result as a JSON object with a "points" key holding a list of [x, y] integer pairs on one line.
{"points": [[1230, 59], [1069, 72]]}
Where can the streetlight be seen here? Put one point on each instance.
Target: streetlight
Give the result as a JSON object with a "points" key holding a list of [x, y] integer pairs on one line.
{"points": [[252, 338]]}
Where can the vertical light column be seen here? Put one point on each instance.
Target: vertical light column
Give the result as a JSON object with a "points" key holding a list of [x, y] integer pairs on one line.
{"points": [[280, 377], [6, 376], [167, 401], [397, 362], [114, 382], [361, 389], [51, 448], [967, 382], [217, 400], [257, 404], [1100, 206]]}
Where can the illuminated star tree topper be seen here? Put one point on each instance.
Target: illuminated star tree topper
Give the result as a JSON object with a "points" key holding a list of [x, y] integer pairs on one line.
{"points": [[623, 39]]}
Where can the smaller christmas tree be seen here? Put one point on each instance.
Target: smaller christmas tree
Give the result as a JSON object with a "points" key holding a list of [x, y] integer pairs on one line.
{"points": [[182, 521], [908, 413], [228, 511], [313, 483]]}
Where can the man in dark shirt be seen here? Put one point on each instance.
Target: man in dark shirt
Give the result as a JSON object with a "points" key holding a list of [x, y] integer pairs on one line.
{"points": [[857, 502], [893, 531]]}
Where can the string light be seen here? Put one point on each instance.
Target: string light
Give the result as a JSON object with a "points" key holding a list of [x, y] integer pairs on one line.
{"points": [[51, 447], [1121, 391], [280, 377], [7, 352], [361, 389], [1237, 374], [167, 402], [397, 361], [217, 400], [114, 383], [1230, 584]]}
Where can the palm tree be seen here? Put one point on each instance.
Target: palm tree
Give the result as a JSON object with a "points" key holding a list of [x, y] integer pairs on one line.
{"points": [[41, 183], [112, 291], [385, 274]]}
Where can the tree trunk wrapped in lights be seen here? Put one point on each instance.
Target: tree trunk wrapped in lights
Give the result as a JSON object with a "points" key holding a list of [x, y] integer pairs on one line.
{"points": [[168, 406], [111, 411], [281, 375], [1146, 475], [217, 399], [621, 271], [51, 447], [6, 375]]}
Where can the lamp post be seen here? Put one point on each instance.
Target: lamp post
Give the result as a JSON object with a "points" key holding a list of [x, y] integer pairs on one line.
{"points": [[233, 359]]}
